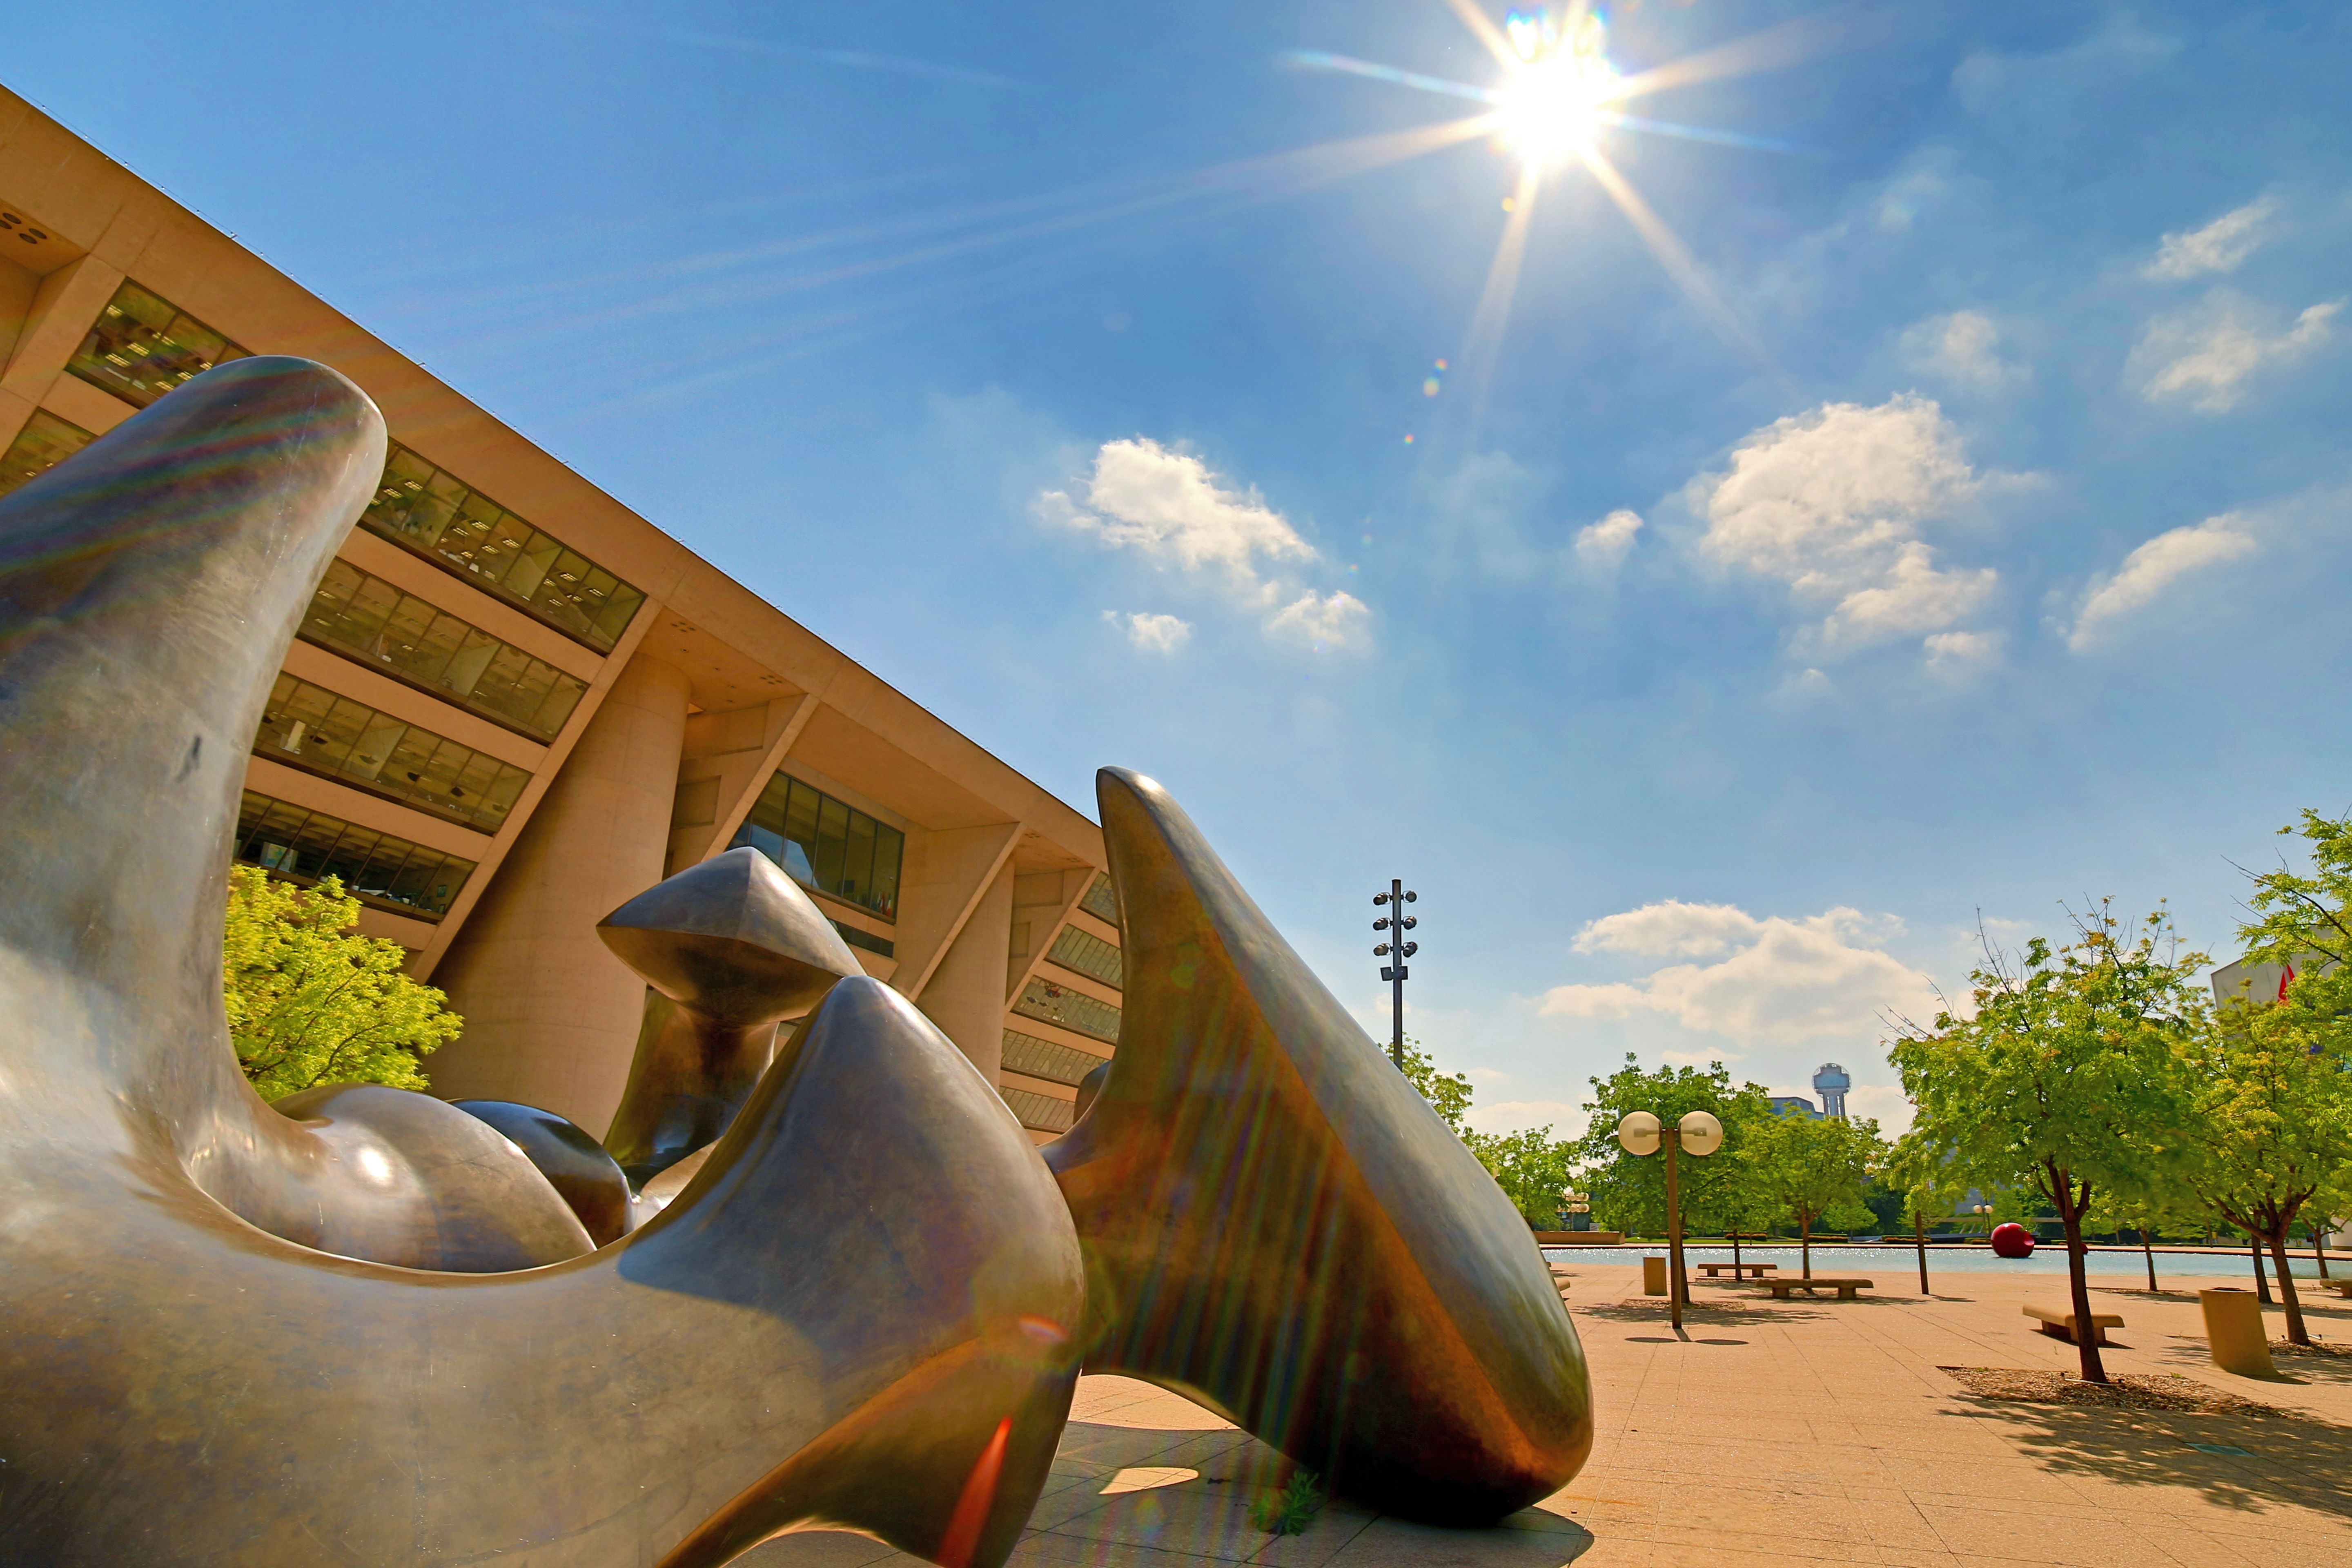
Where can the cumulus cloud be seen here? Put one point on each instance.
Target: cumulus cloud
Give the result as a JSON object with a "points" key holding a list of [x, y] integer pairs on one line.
{"points": [[2204, 356], [1830, 503], [2147, 572], [1336, 620], [1166, 504], [1606, 543], [1565, 1119], [1957, 656], [1823, 976], [1884, 1103], [1962, 349], [2219, 246], [1152, 632]]}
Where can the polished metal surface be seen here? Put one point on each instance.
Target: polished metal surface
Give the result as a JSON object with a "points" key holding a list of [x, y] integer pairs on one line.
{"points": [[1276, 1224], [575, 1165], [728, 947], [859, 1311]]}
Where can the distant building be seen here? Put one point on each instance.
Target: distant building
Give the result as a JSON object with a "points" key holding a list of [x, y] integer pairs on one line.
{"points": [[1830, 1083], [1794, 1105]]}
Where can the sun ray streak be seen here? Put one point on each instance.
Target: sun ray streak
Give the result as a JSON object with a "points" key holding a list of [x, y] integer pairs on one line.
{"points": [[1482, 348], [1483, 26], [1774, 48], [1680, 265], [1701, 133], [1319, 59]]}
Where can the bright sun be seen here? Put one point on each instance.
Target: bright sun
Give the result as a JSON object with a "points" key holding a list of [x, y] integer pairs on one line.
{"points": [[1560, 87]]}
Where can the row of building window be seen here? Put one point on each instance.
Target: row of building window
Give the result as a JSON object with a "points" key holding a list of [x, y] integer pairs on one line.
{"points": [[306, 726], [1041, 1111], [143, 346], [865, 939], [1074, 1010], [369, 618], [1044, 1058], [827, 844], [432, 513], [309, 846], [1088, 954], [1102, 900], [44, 443]]}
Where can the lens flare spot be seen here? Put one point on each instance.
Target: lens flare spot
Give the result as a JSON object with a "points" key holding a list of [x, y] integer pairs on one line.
{"points": [[1429, 387]]}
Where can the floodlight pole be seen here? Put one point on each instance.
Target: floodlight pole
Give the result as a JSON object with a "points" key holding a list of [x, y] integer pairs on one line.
{"points": [[1397, 923]]}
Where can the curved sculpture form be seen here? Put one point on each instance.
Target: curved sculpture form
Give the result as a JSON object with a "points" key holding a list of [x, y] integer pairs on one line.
{"points": [[575, 1165], [1276, 1224], [856, 1315], [729, 946]]}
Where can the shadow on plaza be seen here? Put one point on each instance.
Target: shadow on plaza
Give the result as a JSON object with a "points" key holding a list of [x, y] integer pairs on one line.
{"points": [[2288, 1458], [1121, 1495]]}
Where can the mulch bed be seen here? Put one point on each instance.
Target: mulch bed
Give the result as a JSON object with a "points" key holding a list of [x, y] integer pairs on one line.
{"points": [[2129, 1391], [2288, 1347]]}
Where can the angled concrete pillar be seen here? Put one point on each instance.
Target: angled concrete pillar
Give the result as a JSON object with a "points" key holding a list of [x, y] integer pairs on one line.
{"points": [[550, 1016], [965, 995]]}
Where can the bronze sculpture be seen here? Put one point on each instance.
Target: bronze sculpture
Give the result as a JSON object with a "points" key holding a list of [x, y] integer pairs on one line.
{"points": [[1275, 1225], [728, 947], [805, 1335]]}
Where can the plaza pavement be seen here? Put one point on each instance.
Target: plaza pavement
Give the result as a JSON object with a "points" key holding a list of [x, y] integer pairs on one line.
{"points": [[1774, 1433]]}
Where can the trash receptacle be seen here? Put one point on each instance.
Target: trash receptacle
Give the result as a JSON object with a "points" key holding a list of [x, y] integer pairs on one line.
{"points": [[2233, 1329], [1653, 1277]]}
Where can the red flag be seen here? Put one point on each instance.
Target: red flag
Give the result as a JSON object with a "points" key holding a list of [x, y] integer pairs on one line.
{"points": [[2286, 980]]}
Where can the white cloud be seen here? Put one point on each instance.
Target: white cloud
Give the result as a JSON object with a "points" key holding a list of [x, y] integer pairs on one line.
{"points": [[1824, 976], [1152, 632], [1338, 620], [2204, 355], [1830, 503], [1166, 504], [2154, 567], [1957, 656], [1882, 1103], [1606, 543], [2219, 246], [1961, 348]]}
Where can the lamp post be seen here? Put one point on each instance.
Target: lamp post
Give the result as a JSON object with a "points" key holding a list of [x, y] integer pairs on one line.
{"points": [[1697, 1134], [1396, 924]]}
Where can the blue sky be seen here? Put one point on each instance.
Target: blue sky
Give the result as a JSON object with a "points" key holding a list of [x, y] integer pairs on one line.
{"points": [[1962, 530]]}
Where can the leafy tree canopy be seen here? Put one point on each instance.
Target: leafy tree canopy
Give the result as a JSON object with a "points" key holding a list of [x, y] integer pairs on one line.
{"points": [[1448, 1093], [2305, 922], [311, 1002], [1629, 1193], [1812, 1169]]}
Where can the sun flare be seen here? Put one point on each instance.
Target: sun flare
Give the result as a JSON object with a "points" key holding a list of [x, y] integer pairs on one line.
{"points": [[1558, 96]]}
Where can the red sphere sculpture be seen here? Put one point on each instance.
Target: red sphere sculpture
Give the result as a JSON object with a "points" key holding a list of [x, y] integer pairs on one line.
{"points": [[2013, 1241]]}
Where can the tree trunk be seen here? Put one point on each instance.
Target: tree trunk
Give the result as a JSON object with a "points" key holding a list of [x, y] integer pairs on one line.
{"points": [[2255, 1247], [1805, 1231], [2147, 1251], [2086, 1334], [1919, 1222], [2319, 1241], [2295, 1329]]}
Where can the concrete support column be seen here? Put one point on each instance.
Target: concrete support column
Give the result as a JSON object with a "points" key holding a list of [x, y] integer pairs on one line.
{"points": [[550, 1016], [965, 995]]}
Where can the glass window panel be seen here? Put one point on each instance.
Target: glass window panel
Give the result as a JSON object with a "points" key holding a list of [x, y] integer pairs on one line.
{"points": [[613, 616], [380, 736], [360, 620], [1088, 954], [563, 695], [409, 642], [415, 769], [499, 793], [343, 849], [1041, 998], [856, 882], [1102, 900], [141, 347], [378, 867], [473, 655], [800, 821], [831, 842], [889, 848], [1046, 1059], [1041, 1113], [534, 554], [44, 443], [387, 756], [328, 746]]}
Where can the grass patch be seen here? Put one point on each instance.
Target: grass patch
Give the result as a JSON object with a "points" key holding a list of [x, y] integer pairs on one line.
{"points": [[1291, 1508]]}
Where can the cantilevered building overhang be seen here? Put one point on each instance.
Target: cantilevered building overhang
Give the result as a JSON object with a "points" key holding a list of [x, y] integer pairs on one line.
{"points": [[517, 703]]}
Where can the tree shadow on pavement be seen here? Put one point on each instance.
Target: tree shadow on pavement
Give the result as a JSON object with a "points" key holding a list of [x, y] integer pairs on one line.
{"points": [[2266, 1461]]}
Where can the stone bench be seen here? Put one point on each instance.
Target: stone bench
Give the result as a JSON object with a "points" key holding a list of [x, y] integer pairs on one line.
{"points": [[2060, 1325], [1748, 1270], [2341, 1287], [1844, 1288]]}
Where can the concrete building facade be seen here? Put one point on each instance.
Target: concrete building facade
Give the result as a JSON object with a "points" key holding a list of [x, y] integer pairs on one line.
{"points": [[506, 716]]}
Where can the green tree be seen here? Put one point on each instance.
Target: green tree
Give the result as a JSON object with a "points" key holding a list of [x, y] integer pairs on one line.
{"points": [[2064, 1078], [2270, 1127], [1629, 1194], [2149, 1212], [1814, 1169], [1448, 1093], [1533, 1170], [311, 1002], [2303, 922]]}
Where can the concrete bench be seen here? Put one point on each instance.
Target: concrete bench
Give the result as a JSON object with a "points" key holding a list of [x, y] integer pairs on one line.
{"points": [[2060, 1325], [2341, 1287], [1846, 1288], [1746, 1270]]}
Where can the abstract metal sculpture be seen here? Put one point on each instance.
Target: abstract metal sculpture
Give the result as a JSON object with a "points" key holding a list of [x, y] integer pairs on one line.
{"points": [[858, 1313], [1275, 1224], [728, 947], [575, 1165]]}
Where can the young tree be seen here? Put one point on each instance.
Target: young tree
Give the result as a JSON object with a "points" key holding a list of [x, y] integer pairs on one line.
{"points": [[1448, 1093], [1532, 1170], [1630, 1193], [1814, 1169], [1921, 1170], [2149, 1212], [2304, 923], [2066, 1077], [2270, 1124], [311, 1002]]}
